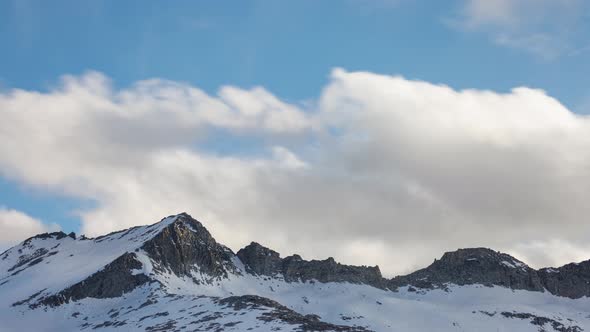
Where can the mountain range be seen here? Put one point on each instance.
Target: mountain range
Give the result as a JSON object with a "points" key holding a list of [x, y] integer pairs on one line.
{"points": [[174, 276]]}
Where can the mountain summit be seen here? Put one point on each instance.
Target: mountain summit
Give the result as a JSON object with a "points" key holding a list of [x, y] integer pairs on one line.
{"points": [[174, 276]]}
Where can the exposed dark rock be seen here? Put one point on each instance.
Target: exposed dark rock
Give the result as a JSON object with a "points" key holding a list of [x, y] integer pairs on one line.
{"points": [[114, 280], [167, 326], [542, 321], [263, 261], [488, 267], [571, 280], [107, 324], [330, 271], [29, 259], [282, 313], [55, 235], [149, 301], [110, 235], [185, 246], [473, 266], [28, 299], [156, 315]]}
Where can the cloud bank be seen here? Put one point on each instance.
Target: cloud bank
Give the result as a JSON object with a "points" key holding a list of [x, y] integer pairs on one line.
{"points": [[378, 170]]}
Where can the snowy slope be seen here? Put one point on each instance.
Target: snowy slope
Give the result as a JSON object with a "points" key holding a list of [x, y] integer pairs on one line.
{"points": [[51, 263], [204, 299]]}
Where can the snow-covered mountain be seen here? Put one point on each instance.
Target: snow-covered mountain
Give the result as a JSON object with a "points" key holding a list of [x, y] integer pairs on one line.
{"points": [[173, 276]]}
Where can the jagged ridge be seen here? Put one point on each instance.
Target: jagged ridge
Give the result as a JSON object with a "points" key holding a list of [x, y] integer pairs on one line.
{"points": [[179, 250], [264, 261], [185, 248]]}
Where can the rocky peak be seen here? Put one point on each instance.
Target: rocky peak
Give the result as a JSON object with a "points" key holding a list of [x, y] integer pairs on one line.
{"points": [[258, 249], [479, 258], [260, 260], [185, 247], [473, 266]]}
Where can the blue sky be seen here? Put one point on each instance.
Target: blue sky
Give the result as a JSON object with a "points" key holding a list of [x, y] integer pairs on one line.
{"points": [[289, 49], [287, 46]]}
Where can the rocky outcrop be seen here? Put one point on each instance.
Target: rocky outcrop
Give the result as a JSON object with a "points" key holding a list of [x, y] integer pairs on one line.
{"points": [[328, 270], [281, 313], [260, 260], [571, 280], [114, 280], [488, 267], [473, 266], [53, 235], [186, 247], [543, 323], [30, 259], [44, 236], [263, 261]]}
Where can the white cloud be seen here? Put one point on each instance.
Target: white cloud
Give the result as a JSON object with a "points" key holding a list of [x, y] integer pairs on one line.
{"points": [[379, 170], [15, 226], [544, 28]]}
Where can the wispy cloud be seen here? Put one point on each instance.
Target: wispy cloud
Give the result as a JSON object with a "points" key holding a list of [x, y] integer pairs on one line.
{"points": [[546, 29], [543, 46]]}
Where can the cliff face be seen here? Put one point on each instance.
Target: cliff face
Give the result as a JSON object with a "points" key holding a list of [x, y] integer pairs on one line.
{"points": [[571, 280], [295, 268], [263, 261], [186, 248]]}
